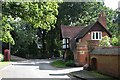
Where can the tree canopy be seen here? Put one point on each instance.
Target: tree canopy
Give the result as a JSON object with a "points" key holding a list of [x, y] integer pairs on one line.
{"points": [[38, 14], [5, 23]]}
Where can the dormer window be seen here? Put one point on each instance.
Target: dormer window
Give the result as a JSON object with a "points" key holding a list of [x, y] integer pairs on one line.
{"points": [[65, 43], [96, 35]]}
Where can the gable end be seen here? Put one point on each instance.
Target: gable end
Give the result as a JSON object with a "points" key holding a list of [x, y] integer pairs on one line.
{"points": [[89, 28]]}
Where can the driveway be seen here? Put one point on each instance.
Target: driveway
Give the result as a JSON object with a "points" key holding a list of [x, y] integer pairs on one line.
{"points": [[36, 69]]}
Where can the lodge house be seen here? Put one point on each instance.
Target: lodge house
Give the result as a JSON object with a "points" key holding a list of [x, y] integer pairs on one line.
{"points": [[83, 42]]}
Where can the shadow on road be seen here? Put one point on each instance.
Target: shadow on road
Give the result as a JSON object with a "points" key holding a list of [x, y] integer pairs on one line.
{"points": [[42, 64]]}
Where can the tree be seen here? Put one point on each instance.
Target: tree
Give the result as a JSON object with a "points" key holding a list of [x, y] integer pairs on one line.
{"points": [[79, 13], [5, 23], [25, 37], [115, 41], [35, 14], [38, 14], [116, 29]]}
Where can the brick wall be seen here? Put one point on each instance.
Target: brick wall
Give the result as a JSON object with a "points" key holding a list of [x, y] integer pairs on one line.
{"points": [[81, 54], [86, 37], [107, 63]]}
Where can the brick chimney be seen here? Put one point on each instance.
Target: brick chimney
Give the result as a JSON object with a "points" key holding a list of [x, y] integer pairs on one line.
{"points": [[102, 18]]}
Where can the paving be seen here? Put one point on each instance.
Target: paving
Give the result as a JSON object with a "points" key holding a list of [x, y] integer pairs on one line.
{"points": [[90, 75], [37, 68]]}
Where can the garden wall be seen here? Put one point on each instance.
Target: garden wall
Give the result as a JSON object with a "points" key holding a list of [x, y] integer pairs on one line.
{"points": [[107, 59]]}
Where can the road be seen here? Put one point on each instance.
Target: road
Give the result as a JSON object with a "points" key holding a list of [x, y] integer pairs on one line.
{"points": [[36, 69]]}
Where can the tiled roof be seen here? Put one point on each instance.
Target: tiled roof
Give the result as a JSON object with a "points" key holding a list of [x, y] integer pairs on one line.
{"points": [[85, 30], [70, 31], [78, 31], [107, 51]]}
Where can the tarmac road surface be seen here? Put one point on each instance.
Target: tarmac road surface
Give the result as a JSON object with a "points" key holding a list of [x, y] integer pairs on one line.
{"points": [[37, 69]]}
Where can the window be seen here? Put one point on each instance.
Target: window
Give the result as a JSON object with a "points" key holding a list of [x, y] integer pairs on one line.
{"points": [[96, 35], [65, 43]]}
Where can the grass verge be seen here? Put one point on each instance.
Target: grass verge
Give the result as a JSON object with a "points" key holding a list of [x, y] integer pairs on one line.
{"points": [[59, 64], [63, 64]]}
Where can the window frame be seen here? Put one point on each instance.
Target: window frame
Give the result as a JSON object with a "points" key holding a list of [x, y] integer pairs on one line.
{"points": [[93, 33]]}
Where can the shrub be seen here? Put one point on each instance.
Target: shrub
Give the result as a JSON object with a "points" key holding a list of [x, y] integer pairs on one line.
{"points": [[1, 57], [115, 41], [69, 63], [62, 63], [105, 42], [58, 63], [70, 55]]}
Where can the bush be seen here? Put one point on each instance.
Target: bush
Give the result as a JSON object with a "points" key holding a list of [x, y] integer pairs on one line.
{"points": [[1, 57], [105, 42], [69, 63], [115, 41], [58, 63], [62, 63], [70, 55]]}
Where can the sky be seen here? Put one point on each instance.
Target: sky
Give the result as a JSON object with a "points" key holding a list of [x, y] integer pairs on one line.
{"points": [[112, 3]]}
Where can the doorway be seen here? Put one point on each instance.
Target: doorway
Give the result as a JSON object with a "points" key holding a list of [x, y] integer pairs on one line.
{"points": [[94, 64]]}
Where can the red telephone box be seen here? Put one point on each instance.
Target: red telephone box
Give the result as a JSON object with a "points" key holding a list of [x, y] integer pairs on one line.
{"points": [[7, 55]]}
